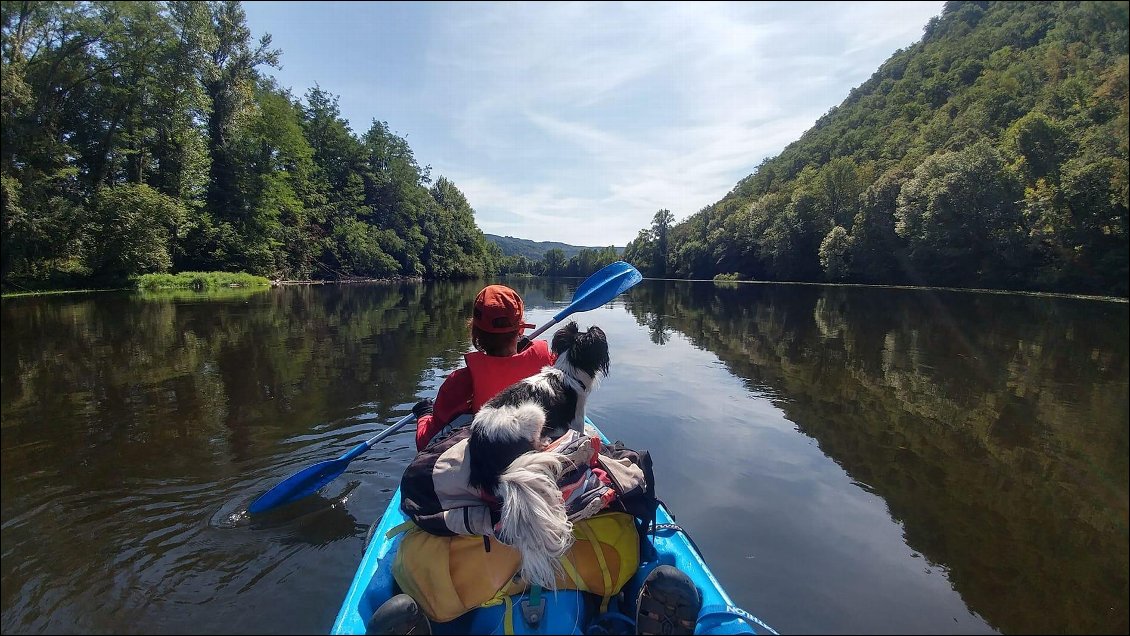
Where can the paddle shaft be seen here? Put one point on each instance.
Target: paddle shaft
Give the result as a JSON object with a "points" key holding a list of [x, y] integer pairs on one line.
{"points": [[367, 444], [540, 330]]}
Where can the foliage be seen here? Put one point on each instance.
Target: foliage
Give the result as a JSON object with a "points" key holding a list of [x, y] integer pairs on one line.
{"points": [[992, 153], [834, 250], [142, 137], [131, 231], [200, 280], [553, 264]]}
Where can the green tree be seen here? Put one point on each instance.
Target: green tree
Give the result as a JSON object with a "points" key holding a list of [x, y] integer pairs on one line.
{"points": [[46, 56], [589, 260], [168, 95], [229, 76], [275, 169], [661, 228], [130, 232], [839, 189], [875, 247], [1039, 143], [337, 181], [554, 262], [835, 251], [640, 251], [396, 197], [180, 145], [959, 217], [1095, 233], [455, 245]]}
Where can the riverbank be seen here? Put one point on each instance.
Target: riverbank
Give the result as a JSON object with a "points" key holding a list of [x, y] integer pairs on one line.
{"points": [[186, 282], [721, 282], [345, 281], [971, 290]]}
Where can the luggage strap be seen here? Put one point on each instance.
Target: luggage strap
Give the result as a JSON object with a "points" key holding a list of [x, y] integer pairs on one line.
{"points": [[404, 527], [605, 571]]}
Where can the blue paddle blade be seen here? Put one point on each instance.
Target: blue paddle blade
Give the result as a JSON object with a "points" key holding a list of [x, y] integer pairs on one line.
{"points": [[601, 287], [310, 480], [302, 484]]}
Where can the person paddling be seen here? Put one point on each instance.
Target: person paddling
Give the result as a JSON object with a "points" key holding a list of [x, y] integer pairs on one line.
{"points": [[496, 325]]}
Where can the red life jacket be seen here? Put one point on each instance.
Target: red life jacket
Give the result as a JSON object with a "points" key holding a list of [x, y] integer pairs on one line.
{"points": [[491, 374]]}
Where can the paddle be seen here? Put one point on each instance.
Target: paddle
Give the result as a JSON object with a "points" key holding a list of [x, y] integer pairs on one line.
{"points": [[601, 287], [310, 480], [606, 284]]}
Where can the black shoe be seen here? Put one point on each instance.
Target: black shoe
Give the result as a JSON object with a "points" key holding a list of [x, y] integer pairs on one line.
{"points": [[398, 615], [669, 603]]}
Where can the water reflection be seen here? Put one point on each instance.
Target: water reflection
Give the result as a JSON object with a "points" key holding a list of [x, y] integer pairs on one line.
{"points": [[994, 427], [126, 418]]}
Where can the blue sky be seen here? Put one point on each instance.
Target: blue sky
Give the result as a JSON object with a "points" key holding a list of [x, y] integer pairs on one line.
{"points": [[576, 122]]}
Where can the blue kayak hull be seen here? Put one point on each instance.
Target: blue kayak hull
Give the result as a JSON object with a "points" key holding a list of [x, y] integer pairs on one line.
{"points": [[567, 611]]}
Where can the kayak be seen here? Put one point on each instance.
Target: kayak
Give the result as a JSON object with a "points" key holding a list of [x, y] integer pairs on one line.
{"points": [[565, 610]]}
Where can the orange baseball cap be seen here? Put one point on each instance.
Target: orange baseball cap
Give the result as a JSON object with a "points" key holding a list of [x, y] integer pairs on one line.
{"points": [[498, 309]]}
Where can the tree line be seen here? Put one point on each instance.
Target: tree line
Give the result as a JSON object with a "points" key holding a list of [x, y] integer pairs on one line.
{"points": [[992, 153], [554, 262], [142, 137]]}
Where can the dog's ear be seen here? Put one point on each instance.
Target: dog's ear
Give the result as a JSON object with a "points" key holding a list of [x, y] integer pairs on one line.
{"points": [[564, 337], [590, 351]]}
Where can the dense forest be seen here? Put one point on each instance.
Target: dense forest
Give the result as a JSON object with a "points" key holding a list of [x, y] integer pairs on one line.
{"points": [[143, 137], [992, 153]]}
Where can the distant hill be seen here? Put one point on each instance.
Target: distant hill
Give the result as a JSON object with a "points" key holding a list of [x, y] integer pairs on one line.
{"points": [[535, 250]]}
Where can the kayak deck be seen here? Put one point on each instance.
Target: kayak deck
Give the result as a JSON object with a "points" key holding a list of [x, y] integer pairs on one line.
{"points": [[566, 611]]}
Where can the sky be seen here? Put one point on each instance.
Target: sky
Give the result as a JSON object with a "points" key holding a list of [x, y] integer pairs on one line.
{"points": [[576, 122]]}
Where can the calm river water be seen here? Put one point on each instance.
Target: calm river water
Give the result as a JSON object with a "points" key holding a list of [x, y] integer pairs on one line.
{"points": [[848, 459]]}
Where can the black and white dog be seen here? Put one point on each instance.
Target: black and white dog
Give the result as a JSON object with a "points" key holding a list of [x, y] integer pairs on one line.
{"points": [[521, 420]]}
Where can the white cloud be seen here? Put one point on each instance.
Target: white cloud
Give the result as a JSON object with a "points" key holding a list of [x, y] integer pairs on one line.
{"points": [[575, 122], [578, 121]]}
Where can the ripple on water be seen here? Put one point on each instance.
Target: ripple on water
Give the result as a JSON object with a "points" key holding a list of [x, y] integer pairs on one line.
{"points": [[233, 513]]}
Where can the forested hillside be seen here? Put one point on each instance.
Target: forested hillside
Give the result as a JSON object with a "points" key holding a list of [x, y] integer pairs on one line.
{"points": [[992, 153], [550, 258], [533, 250], [144, 137]]}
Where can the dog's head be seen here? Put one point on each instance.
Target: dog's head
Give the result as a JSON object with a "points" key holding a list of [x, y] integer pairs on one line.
{"points": [[585, 351]]}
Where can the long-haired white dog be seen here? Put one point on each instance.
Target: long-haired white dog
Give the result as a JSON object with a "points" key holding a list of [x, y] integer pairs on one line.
{"points": [[521, 420]]}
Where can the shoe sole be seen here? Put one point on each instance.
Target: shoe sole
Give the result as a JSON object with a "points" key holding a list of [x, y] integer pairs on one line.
{"points": [[665, 605]]}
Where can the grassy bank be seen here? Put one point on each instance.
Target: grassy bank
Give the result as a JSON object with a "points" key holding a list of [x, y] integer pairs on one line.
{"points": [[200, 281]]}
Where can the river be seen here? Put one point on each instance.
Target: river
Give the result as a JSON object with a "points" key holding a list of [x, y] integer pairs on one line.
{"points": [[849, 460]]}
